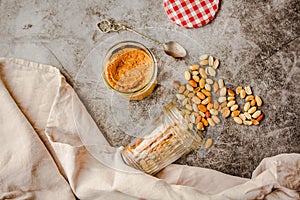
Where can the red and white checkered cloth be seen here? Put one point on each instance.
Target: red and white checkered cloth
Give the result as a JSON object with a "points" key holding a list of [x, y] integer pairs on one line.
{"points": [[191, 13]]}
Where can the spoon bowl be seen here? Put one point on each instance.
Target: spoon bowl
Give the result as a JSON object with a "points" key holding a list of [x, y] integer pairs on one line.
{"points": [[174, 49]]}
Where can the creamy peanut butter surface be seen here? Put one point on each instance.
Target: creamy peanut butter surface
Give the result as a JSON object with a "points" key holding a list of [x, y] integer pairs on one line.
{"points": [[129, 70]]}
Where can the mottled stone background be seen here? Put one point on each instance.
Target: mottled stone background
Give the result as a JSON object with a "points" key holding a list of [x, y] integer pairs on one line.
{"points": [[256, 41]]}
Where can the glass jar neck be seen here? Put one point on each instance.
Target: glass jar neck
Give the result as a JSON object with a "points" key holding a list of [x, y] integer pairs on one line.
{"points": [[173, 115]]}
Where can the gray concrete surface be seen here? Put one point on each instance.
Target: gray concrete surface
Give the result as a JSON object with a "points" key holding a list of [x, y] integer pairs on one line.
{"points": [[256, 41]]}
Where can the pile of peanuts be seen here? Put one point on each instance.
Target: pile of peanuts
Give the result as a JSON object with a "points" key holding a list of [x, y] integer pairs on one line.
{"points": [[251, 115], [196, 99]]}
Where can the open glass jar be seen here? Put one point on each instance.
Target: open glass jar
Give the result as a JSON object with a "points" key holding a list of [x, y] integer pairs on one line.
{"points": [[166, 140], [130, 69]]}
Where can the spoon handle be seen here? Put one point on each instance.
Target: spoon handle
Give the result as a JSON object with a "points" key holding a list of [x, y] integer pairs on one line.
{"points": [[143, 36], [106, 26]]}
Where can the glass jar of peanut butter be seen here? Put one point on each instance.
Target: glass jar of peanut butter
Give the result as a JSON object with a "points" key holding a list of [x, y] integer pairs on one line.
{"points": [[130, 69], [165, 141]]}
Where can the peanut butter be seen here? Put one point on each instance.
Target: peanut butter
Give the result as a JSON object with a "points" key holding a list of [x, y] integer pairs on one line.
{"points": [[129, 70]]}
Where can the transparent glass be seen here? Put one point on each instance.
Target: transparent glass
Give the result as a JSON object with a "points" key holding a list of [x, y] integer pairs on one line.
{"points": [[165, 141], [130, 69]]}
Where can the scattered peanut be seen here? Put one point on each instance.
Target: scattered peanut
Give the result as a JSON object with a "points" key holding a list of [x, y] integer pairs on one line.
{"points": [[211, 71], [203, 62], [213, 111], [243, 93], [256, 114], [216, 119], [180, 96], [258, 101], [234, 107], [226, 112], [211, 122], [246, 122], [209, 106], [187, 75], [184, 102], [181, 89], [235, 113], [186, 93], [224, 104], [192, 118], [207, 114], [238, 89], [255, 122], [247, 115], [196, 100], [253, 102], [196, 78], [209, 81], [221, 83], [195, 108], [189, 107], [189, 87], [222, 99], [230, 92], [194, 67], [200, 126], [200, 95], [202, 108], [249, 98], [208, 143], [252, 110], [238, 120], [202, 83], [193, 83], [216, 64], [210, 61], [230, 98], [191, 95], [215, 86], [198, 119], [207, 87], [204, 121], [223, 92], [216, 105], [248, 90], [246, 106], [205, 92]]}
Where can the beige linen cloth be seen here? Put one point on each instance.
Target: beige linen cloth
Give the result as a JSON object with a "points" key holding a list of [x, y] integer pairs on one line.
{"points": [[43, 157]]}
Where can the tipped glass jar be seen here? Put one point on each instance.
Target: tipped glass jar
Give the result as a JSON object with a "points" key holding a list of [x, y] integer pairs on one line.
{"points": [[166, 140], [130, 69]]}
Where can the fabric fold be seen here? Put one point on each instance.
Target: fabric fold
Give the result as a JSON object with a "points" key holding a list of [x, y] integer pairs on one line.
{"points": [[27, 170]]}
